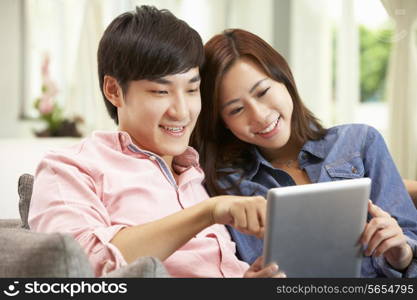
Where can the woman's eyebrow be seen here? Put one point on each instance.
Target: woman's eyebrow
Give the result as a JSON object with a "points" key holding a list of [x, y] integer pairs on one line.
{"points": [[250, 92], [229, 103], [256, 85]]}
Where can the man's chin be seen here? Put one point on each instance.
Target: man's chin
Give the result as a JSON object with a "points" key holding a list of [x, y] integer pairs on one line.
{"points": [[172, 151], [176, 152]]}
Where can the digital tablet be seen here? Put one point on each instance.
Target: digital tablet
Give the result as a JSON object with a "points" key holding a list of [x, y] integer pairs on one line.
{"points": [[313, 230]]}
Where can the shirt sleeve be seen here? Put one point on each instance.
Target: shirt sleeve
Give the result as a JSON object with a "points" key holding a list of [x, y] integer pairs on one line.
{"points": [[66, 199], [389, 193], [410, 272]]}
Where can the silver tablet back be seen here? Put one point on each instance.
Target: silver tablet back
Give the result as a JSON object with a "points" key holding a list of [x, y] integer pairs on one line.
{"points": [[313, 230]]}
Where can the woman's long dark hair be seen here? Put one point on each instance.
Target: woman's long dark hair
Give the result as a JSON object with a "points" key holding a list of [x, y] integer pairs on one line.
{"points": [[217, 145]]}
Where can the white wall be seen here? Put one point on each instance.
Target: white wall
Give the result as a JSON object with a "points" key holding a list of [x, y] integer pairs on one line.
{"points": [[10, 73], [17, 155], [10, 66], [310, 52], [9, 86], [22, 156]]}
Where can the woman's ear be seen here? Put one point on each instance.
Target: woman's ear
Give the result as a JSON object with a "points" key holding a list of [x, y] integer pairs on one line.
{"points": [[112, 90]]}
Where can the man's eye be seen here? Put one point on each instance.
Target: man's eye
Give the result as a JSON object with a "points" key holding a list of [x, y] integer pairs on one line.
{"points": [[235, 111], [159, 92], [192, 91], [263, 92]]}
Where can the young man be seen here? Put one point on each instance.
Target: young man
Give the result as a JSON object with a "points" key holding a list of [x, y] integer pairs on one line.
{"points": [[138, 191]]}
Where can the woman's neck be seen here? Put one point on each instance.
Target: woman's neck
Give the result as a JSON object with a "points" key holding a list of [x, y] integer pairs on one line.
{"points": [[289, 152]]}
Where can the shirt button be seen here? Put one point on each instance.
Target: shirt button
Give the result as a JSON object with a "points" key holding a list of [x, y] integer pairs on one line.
{"points": [[354, 170], [152, 157]]}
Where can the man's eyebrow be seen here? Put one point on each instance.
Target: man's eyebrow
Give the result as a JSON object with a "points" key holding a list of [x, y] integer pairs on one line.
{"points": [[166, 81], [196, 78], [161, 81], [250, 91]]}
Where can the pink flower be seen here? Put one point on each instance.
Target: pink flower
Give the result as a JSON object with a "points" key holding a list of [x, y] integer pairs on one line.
{"points": [[45, 66], [51, 89], [46, 105]]}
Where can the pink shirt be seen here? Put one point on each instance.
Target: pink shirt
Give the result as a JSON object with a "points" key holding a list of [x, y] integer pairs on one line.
{"points": [[105, 183]]}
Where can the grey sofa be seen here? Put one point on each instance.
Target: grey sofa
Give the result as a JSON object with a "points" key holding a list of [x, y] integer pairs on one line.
{"points": [[24, 253]]}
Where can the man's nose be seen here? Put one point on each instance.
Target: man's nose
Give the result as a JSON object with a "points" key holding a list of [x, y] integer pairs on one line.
{"points": [[179, 108]]}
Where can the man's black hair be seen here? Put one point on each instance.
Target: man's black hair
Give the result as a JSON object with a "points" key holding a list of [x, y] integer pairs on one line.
{"points": [[146, 43]]}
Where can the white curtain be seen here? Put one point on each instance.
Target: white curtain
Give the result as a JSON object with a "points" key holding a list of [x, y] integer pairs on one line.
{"points": [[254, 16], [310, 57], [347, 75], [84, 96], [52, 29], [402, 87]]}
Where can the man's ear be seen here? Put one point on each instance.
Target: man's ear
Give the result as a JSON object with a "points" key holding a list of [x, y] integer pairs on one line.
{"points": [[113, 91]]}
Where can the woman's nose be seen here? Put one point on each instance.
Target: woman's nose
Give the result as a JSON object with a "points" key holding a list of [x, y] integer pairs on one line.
{"points": [[258, 114]]}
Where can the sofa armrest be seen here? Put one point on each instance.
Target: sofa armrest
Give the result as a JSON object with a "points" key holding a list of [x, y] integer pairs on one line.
{"points": [[31, 254], [10, 223], [411, 186], [144, 267], [24, 253], [24, 189]]}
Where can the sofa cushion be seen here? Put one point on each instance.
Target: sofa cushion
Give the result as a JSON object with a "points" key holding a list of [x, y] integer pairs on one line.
{"points": [[24, 189], [30, 254]]}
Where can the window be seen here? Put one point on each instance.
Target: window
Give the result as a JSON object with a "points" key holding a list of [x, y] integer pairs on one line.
{"points": [[360, 29], [50, 30], [375, 33]]}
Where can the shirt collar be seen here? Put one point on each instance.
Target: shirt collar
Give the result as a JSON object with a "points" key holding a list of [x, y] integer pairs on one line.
{"points": [[189, 158], [180, 163], [315, 148], [260, 159], [257, 161], [319, 149]]}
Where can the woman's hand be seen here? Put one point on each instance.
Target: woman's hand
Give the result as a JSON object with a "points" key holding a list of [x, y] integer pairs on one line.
{"points": [[246, 214], [383, 236], [257, 271]]}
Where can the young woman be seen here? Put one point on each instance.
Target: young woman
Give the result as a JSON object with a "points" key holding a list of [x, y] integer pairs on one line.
{"points": [[254, 133]]}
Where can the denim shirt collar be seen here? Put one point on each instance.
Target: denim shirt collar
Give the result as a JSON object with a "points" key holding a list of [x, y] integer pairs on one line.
{"points": [[318, 149]]}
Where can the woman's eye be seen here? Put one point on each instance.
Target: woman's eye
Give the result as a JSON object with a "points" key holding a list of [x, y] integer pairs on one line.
{"points": [[235, 111], [260, 94]]}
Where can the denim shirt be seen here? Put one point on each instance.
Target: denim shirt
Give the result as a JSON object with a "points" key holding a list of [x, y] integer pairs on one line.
{"points": [[346, 151]]}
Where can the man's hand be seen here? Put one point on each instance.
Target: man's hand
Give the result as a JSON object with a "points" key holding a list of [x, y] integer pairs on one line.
{"points": [[246, 214], [383, 236], [257, 271]]}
